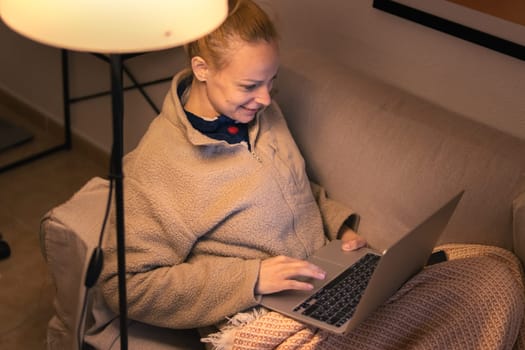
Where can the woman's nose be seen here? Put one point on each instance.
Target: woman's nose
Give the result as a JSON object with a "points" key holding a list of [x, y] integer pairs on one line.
{"points": [[263, 96]]}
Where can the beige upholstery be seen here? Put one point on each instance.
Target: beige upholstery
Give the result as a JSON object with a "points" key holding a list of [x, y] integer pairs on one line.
{"points": [[395, 157], [68, 235], [392, 156]]}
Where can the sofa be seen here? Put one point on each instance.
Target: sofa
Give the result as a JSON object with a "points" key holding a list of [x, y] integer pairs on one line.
{"points": [[390, 155]]}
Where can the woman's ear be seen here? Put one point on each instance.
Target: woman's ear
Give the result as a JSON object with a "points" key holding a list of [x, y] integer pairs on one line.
{"points": [[200, 68]]}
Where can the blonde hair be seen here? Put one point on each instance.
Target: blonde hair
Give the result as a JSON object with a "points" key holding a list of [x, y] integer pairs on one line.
{"points": [[246, 22]]}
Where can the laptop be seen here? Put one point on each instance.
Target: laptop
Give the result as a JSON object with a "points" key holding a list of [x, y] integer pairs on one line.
{"points": [[371, 276]]}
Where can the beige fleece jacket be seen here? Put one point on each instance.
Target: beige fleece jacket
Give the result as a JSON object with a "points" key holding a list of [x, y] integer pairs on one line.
{"points": [[201, 214]]}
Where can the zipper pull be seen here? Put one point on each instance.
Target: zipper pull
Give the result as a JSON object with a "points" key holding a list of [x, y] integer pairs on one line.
{"points": [[256, 157]]}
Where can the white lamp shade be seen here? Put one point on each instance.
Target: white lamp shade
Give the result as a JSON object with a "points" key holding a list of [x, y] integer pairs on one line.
{"points": [[113, 26]]}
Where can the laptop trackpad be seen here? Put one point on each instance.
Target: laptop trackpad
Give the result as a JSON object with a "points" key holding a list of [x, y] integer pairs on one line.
{"points": [[333, 254]]}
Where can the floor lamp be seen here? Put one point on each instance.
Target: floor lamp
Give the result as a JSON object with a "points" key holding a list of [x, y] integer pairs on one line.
{"points": [[114, 27]]}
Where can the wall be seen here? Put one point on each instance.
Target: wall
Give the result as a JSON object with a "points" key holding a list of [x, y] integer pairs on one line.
{"points": [[31, 73], [467, 79], [473, 81]]}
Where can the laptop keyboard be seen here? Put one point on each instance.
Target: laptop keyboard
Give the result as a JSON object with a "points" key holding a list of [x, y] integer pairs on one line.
{"points": [[336, 302]]}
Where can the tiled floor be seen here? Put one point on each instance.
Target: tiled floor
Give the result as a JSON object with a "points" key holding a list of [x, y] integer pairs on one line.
{"points": [[26, 193]]}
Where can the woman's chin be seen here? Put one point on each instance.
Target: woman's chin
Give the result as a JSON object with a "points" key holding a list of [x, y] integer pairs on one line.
{"points": [[245, 116]]}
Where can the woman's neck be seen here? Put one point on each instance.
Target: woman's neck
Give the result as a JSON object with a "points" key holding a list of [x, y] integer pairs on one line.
{"points": [[198, 103]]}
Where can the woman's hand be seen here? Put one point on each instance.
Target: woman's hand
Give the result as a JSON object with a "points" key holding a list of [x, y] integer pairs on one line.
{"points": [[281, 273], [351, 240]]}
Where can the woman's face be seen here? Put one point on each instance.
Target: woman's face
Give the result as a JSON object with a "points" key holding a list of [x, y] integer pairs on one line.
{"points": [[243, 86]]}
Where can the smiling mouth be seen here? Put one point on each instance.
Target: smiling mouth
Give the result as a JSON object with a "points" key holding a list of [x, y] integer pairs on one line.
{"points": [[253, 110]]}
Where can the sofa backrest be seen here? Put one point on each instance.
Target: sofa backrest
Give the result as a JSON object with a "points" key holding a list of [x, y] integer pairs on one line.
{"points": [[394, 157]]}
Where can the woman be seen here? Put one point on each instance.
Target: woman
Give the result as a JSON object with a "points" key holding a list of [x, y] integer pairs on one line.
{"points": [[219, 210]]}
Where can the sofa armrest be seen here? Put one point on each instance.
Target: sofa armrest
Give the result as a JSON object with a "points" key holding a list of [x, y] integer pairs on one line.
{"points": [[68, 234]]}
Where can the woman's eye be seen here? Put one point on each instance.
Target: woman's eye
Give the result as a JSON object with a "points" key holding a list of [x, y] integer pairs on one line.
{"points": [[249, 87]]}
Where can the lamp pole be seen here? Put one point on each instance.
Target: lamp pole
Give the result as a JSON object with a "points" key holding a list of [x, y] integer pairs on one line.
{"points": [[117, 175]]}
